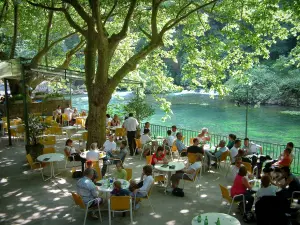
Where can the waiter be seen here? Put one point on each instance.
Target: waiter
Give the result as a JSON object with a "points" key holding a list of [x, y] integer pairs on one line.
{"points": [[131, 125]]}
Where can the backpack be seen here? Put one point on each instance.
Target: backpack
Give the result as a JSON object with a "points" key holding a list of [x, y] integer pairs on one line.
{"points": [[249, 217], [178, 192], [77, 174]]}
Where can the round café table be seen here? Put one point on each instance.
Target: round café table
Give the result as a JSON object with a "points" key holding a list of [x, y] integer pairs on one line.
{"points": [[107, 189], [101, 154], [178, 166], [212, 218], [51, 157]]}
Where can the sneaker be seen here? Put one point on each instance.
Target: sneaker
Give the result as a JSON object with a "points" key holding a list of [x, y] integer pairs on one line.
{"points": [[137, 206]]}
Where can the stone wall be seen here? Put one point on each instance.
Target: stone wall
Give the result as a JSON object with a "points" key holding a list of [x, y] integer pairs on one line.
{"points": [[47, 108]]}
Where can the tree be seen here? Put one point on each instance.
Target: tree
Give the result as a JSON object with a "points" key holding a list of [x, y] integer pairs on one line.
{"points": [[113, 29]]}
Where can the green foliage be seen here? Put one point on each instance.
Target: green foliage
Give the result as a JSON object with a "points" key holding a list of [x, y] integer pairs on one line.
{"points": [[139, 108], [52, 95], [36, 128]]}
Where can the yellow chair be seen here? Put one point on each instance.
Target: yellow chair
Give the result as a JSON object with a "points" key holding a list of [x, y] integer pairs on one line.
{"points": [[191, 141], [226, 196], [148, 194], [148, 159], [248, 167], [99, 173], [129, 174], [96, 164], [65, 118], [48, 140], [56, 130], [48, 150], [119, 204], [195, 180], [35, 166], [173, 150], [80, 121], [78, 203], [120, 132], [191, 158], [224, 158], [138, 145]]}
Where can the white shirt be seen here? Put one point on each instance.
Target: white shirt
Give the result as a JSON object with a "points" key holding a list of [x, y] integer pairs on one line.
{"points": [[195, 166], [131, 124], [174, 133], [109, 146], [57, 112], [233, 152], [92, 155], [145, 138], [252, 148], [107, 121], [170, 140], [71, 150], [268, 191], [68, 111]]}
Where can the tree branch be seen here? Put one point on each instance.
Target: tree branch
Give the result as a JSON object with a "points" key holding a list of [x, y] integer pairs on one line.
{"points": [[16, 21], [145, 33], [155, 5], [74, 24], [45, 7], [130, 11], [173, 22], [82, 13], [3, 10], [110, 12], [183, 8], [48, 27]]}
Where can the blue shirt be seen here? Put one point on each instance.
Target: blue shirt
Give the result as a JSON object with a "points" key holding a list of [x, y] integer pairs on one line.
{"points": [[220, 151], [180, 146], [86, 189]]}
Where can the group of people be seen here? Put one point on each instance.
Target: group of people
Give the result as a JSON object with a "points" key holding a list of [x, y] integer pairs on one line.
{"points": [[72, 114]]}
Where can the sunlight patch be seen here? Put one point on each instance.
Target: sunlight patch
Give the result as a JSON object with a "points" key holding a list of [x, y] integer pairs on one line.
{"points": [[172, 222], [203, 196], [3, 180], [184, 211]]}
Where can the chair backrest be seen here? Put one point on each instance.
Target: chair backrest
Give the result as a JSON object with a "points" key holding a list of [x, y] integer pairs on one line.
{"points": [[120, 132], [48, 150], [248, 167], [96, 164], [150, 189], [120, 203], [65, 117], [129, 173], [49, 118], [49, 140], [67, 154], [20, 129], [78, 200], [224, 156], [148, 159], [192, 157], [29, 159], [174, 147], [225, 193], [99, 173], [138, 143], [56, 130], [191, 141], [80, 121], [85, 136]]}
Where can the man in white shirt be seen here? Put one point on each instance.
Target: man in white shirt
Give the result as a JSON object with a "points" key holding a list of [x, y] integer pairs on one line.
{"points": [[109, 145], [174, 131], [145, 137], [93, 155], [251, 148], [187, 174], [69, 111], [131, 125], [170, 139], [235, 149]]}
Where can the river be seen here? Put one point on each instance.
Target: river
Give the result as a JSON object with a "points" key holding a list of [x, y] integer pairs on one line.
{"points": [[193, 111]]}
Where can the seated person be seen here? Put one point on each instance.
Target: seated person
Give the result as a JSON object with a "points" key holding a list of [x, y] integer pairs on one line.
{"points": [[195, 148], [267, 189], [75, 114], [291, 183], [251, 148], [174, 131], [285, 160], [118, 190], [231, 140], [141, 189], [220, 148], [89, 165], [110, 145], [234, 150], [120, 172], [73, 154], [187, 174], [108, 119], [159, 156], [93, 153], [145, 138], [121, 154], [147, 127], [241, 186], [289, 145], [180, 146], [88, 191], [115, 121], [203, 137], [169, 139]]}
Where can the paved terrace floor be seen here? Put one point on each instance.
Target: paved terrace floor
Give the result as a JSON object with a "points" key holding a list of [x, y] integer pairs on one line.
{"points": [[26, 199]]}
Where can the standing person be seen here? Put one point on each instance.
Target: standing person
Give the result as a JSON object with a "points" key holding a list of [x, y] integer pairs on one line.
{"points": [[174, 130], [251, 148], [231, 140], [69, 111], [131, 125], [88, 191]]}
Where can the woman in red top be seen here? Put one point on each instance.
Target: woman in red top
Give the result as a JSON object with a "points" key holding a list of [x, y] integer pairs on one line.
{"points": [[240, 186], [159, 156], [285, 160]]}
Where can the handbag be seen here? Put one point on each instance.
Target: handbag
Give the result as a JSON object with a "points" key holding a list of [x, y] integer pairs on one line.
{"points": [[178, 192]]}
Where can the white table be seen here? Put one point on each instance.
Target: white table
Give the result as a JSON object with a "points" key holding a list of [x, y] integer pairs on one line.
{"points": [[115, 127], [83, 155], [69, 130], [107, 189], [212, 218], [53, 157], [178, 166]]}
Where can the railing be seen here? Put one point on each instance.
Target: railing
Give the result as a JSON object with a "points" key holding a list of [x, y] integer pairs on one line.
{"points": [[271, 149]]}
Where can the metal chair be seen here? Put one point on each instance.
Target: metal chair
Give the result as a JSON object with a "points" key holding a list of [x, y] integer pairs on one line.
{"points": [[148, 194], [78, 203], [35, 166], [195, 180], [129, 174], [119, 204], [226, 196]]}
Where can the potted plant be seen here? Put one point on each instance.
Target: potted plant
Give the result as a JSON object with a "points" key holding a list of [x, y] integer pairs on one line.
{"points": [[36, 127]]}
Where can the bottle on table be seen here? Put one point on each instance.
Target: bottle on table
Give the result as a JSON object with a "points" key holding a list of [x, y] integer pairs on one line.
{"points": [[218, 221], [206, 221], [199, 219]]}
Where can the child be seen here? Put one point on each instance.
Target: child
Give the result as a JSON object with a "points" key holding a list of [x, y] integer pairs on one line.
{"points": [[89, 164], [266, 188], [118, 191]]}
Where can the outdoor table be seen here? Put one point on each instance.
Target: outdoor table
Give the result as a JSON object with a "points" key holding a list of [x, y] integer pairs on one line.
{"points": [[212, 218], [101, 154], [69, 130], [51, 157], [115, 127], [178, 166], [107, 189]]}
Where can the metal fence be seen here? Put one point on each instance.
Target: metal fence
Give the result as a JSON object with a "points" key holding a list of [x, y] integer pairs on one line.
{"points": [[271, 149]]}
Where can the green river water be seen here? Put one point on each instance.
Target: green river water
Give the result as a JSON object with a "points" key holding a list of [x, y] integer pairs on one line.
{"points": [[194, 111]]}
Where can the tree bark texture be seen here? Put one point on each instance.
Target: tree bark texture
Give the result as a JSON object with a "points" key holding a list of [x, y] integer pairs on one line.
{"points": [[14, 39]]}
